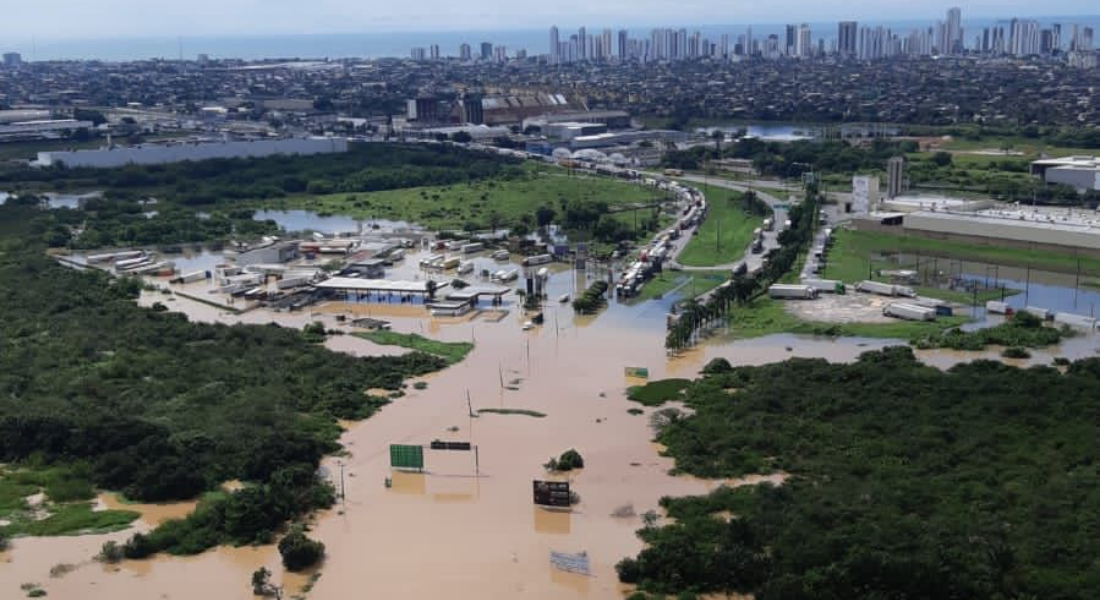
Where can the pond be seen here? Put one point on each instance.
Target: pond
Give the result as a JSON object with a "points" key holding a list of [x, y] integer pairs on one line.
{"points": [[307, 220]]}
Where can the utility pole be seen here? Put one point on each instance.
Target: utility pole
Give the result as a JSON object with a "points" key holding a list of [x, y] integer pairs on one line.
{"points": [[343, 494]]}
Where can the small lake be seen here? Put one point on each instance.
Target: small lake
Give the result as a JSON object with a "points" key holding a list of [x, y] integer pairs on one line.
{"points": [[307, 220], [789, 132]]}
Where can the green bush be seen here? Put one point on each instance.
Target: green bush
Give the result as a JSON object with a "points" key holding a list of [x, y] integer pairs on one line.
{"points": [[298, 551]]}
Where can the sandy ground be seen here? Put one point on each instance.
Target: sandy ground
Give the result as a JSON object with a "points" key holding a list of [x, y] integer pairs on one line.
{"points": [[850, 308]]}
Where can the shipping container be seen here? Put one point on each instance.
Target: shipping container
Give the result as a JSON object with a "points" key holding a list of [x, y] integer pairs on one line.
{"points": [[825, 286], [538, 259], [1078, 321], [1042, 313], [909, 312], [885, 289], [472, 247], [998, 308], [785, 291], [466, 267]]}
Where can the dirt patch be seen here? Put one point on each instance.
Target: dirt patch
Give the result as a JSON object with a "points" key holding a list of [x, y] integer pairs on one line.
{"points": [[833, 308]]}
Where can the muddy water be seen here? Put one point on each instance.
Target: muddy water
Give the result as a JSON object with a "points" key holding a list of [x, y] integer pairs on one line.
{"points": [[466, 528]]}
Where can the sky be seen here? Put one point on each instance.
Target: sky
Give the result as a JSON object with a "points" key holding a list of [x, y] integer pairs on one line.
{"points": [[91, 19]]}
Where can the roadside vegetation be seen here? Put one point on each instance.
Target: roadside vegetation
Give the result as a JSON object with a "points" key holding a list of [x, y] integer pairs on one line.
{"points": [[161, 409], [725, 234], [692, 283], [887, 459], [452, 352]]}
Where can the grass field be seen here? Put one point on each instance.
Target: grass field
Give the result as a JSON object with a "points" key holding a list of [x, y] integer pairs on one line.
{"points": [[452, 352], [691, 283], [765, 316], [480, 203], [65, 509], [849, 256], [724, 236], [656, 393]]}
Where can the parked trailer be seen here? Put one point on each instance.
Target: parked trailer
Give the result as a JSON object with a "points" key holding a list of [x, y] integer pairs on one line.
{"points": [[538, 259], [430, 260], [131, 263], [508, 275], [466, 267], [451, 263], [769, 224], [792, 292], [287, 283], [997, 307], [757, 233], [885, 289], [909, 312], [190, 277], [114, 256], [1042, 313], [824, 286], [472, 247], [1078, 321], [500, 255]]}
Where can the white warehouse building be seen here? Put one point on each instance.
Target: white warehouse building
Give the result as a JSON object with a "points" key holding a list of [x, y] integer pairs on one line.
{"points": [[1079, 172], [159, 154]]}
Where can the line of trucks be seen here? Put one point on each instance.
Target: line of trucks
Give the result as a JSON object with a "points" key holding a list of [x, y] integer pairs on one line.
{"points": [[1060, 318], [651, 259]]}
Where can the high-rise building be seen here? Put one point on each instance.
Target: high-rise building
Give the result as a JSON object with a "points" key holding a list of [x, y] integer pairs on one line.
{"points": [[846, 35], [624, 44], [433, 52], [895, 171], [1085, 43], [555, 45], [582, 42], [954, 32], [486, 51], [13, 59], [464, 52], [804, 44], [792, 37], [417, 53]]}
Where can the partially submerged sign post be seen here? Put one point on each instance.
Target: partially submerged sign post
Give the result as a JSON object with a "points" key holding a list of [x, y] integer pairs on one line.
{"points": [[552, 493], [573, 563], [640, 372], [406, 457], [461, 447]]}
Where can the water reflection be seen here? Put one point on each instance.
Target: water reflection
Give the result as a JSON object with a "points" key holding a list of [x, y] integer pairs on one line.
{"points": [[552, 521]]}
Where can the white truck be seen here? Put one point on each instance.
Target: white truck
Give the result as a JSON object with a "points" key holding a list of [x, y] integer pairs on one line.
{"points": [[909, 312], [792, 292], [472, 247], [824, 286], [538, 259], [885, 289], [997, 307]]}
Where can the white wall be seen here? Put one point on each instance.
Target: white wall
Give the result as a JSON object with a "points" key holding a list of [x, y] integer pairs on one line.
{"points": [[170, 153]]}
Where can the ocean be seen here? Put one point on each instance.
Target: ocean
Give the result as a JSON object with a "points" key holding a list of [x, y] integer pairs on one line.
{"points": [[376, 45]]}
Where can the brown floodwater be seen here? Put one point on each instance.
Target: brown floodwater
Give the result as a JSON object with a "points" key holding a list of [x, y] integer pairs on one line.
{"points": [[465, 527]]}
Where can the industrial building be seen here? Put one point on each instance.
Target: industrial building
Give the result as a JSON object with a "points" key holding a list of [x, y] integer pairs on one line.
{"points": [[568, 130], [1074, 232], [158, 154], [41, 129], [1079, 172]]}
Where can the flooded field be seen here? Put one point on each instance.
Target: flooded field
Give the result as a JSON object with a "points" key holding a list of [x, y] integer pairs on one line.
{"points": [[466, 527]]}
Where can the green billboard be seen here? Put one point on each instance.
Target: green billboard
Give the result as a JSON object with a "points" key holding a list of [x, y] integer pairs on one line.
{"points": [[641, 372], [406, 457]]}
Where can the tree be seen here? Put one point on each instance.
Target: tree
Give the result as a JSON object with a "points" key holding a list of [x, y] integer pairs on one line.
{"points": [[262, 586], [942, 159], [544, 215], [298, 551], [461, 137]]}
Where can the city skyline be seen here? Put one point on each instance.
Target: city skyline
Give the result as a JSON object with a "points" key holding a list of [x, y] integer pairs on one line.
{"points": [[115, 18]]}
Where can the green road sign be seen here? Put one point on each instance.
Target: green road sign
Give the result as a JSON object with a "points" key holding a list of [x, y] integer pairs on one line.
{"points": [[637, 372], [406, 457]]}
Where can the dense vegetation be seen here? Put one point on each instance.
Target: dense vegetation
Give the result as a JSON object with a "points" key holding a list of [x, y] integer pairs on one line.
{"points": [[569, 460], [164, 409], [655, 393], [1023, 330], [592, 298], [906, 482], [364, 168], [1003, 177], [298, 551]]}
